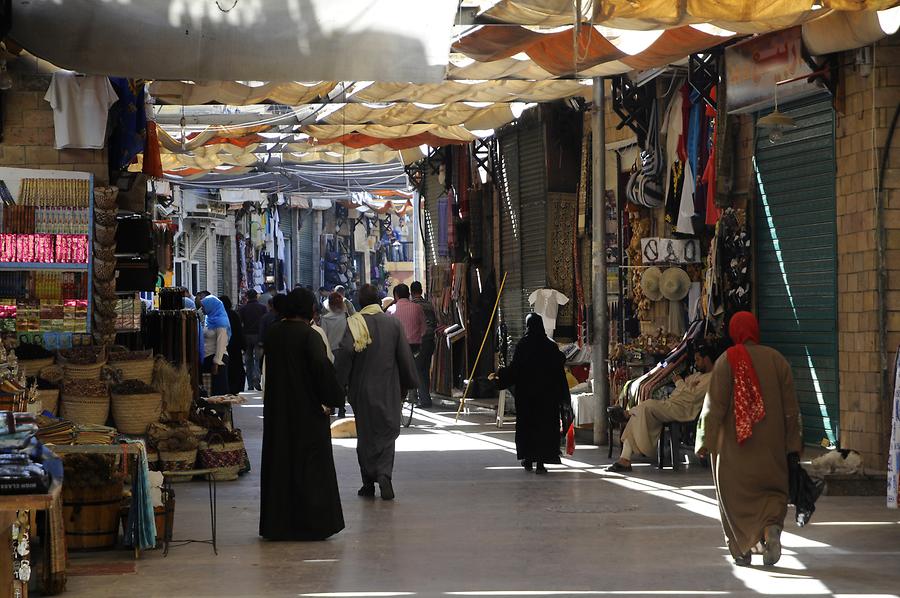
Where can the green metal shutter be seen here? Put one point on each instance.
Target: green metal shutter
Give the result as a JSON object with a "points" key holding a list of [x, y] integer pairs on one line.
{"points": [[797, 259], [511, 310], [306, 248], [533, 201]]}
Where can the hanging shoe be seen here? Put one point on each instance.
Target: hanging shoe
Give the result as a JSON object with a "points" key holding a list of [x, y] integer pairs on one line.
{"points": [[772, 543]]}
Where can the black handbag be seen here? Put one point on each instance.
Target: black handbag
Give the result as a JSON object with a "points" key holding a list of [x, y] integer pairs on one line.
{"points": [[804, 491]]}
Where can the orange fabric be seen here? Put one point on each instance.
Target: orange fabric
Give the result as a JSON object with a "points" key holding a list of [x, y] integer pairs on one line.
{"points": [[152, 162], [555, 53], [494, 43], [673, 45]]}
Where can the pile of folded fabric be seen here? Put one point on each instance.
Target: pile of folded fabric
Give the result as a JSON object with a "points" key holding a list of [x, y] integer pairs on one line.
{"points": [[26, 466], [93, 434], [55, 431]]}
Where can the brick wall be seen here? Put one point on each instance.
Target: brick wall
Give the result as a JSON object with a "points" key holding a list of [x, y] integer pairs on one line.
{"points": [[28, 125], [865, 106]]}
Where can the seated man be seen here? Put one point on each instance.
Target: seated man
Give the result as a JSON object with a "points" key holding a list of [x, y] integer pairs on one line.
{"points": [[644, 426]]}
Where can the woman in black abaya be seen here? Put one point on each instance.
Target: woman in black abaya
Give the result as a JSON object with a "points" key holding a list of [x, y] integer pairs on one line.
{"points": [[299, 491], [538, 380]]}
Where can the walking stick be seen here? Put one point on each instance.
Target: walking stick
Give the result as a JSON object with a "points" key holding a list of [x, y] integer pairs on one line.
{"points": [[487, 331]]}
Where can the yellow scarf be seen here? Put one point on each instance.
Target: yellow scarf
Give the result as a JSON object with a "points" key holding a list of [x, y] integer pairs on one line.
{"points": [[359, 329]]}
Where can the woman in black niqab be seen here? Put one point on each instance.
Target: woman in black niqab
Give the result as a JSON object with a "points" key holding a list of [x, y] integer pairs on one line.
{"points": [[538, 380]]}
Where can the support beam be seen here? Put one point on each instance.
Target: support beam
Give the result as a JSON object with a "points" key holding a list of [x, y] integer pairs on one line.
{"points": [[600, 339]]}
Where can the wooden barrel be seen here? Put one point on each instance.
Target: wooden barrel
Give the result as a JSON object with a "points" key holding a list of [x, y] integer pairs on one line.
{"points": [[92, 516]]}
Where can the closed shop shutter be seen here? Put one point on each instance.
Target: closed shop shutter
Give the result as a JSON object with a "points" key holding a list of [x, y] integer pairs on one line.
{"points": [[222, 267], [284, 224], [533, 209], [305, 249], [796, 265], [200, 257], [433, 190], [511, 306]]}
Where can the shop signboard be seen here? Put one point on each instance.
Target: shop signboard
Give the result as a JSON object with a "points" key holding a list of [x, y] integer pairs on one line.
{"points": [[755, 66]]}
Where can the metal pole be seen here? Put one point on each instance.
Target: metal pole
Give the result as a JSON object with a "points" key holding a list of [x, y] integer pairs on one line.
{"points": [[600, 348]]}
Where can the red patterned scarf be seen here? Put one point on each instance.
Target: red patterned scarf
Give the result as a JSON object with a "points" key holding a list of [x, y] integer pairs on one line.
{"points": [[749, 408]]}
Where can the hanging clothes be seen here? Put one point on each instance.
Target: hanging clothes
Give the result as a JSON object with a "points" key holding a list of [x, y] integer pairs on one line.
{"points": [[152, 163], [129, 136], [81, 106]]}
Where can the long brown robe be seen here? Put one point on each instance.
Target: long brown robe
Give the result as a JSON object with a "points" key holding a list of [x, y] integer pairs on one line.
{"points": [[647, 418], [751, 479]]}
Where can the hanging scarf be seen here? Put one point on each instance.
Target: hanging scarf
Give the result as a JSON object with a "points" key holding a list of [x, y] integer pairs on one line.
{"points": [[216, 316], [749, 408], [359, 329]]}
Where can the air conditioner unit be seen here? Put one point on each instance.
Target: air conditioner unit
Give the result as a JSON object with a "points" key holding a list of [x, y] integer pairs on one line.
{"points": [[201, 208]]}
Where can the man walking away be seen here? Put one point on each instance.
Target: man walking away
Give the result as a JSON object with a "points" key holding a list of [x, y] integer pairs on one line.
{"points": [[426, 349], [334, 323], [750, 424], [349, 310], [375, 358], [411, 316], [251, 313]]}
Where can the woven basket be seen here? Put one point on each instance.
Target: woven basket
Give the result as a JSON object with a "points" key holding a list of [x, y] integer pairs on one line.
{"points": [[49, 399], [31, 367], [83, 372], [105, 217], [85, 410], [141, 369], [104, 253], [104, 270], [226, 458], [105, 198], [177, 461], [134, 413], [105, 235]]}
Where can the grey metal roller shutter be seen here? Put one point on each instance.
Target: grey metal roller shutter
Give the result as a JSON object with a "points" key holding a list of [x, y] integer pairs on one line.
{"points": [[433, 190], [221, 266], [533, 210], [200, 258], [797, 259], [305, 249], [511, 305], [287, 231]]}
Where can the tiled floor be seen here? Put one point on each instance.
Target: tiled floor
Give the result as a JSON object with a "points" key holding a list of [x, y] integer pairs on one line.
{"points": [[468, 521]]}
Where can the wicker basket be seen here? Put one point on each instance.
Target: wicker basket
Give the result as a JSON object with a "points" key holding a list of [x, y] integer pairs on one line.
{"points": [[226, 458], [105, 235], [105, 198], [104, 270], [85, 410], [91, 371], [134, 413], [49, 399], [177, 461], [105, 217], [141, 369], [31, 367]]}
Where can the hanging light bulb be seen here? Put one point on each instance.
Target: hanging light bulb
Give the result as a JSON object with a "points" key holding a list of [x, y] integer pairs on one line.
{"points": [[6, 81]]}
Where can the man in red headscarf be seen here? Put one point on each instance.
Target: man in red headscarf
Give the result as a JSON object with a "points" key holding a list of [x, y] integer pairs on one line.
{"points": [[749, 424]]}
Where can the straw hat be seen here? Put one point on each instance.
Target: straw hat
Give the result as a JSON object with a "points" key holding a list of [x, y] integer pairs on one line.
{"points": [[675, 284], [650, 281]]}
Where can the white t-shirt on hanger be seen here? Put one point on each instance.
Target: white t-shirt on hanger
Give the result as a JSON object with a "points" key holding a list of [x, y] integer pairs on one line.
{"points": [[546, 304], [80, 109]]}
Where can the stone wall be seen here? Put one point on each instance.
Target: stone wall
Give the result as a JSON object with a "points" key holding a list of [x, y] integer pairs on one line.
{"points": [[865, 105], [28, 134]]}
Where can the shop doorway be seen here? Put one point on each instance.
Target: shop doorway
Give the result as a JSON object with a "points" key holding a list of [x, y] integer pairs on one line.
{"points": [[796, 258]]}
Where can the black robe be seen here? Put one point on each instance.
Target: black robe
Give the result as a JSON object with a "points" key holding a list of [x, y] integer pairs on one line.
{"points": [[299, 490], [537, 375], [236, 373]]}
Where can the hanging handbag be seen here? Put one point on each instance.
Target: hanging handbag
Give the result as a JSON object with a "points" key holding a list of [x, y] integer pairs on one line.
{"points": [[645, 187]]}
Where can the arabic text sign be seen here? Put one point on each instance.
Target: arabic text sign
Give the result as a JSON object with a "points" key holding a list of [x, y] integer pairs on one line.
{"points": [[754, 67]]}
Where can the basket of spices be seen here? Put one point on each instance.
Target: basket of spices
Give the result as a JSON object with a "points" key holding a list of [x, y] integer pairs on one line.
{"points": [[135, 405], [83, 363], [133, 365], [85, 401]]}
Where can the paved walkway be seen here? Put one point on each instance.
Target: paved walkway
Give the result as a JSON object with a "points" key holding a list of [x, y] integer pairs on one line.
{"points": [[469, 522]]}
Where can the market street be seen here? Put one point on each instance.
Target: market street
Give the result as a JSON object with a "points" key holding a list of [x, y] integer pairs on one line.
{"points": [[468, 521]]}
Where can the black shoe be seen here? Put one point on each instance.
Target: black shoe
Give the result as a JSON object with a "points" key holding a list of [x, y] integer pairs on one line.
{"points": [[527, 465], [743, 560], [387, 489], [424, 405], [367, 491], [540, 470], [618, 467]]}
